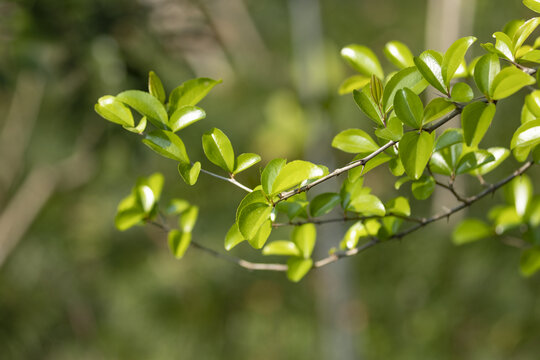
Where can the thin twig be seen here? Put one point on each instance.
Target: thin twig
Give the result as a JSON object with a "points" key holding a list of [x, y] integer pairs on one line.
{"points": [[452, 190], [361, 162], [345, 219], [231, 180]]}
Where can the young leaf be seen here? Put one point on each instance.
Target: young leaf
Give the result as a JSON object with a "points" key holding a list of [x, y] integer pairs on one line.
{"points": [[354, 141], [509, 81], [429, 65], [245, 161], [146, 198], [448, 138], [294, 173], [527, 135], [519, 192], [398, 206], [423, 187], [461, 92], [486, 69], [523, 32], [281, 247], [139, 129], [351, 83], [129, 213], [470, 230], [304, 237], [407, 78], [414, 151], [114, 110], [298, 268], [256, 196], [399, 54], [218, 149], [323, 203], [436, 109], [233, 237], [473, 160], [258, 241], [367, 104], [454, 57], [363, 60], [367, 205], [393, 130], [146, 105], [167, 144], [177, 206], [409, 108], [251, 218], [503, 45], [270, 173], [359, 230], [155, 87], [179, 242], [475, 121], [530, 261], [188, 219], [499, 153], [534, 5], [190, 173], [190, 92], [532, 103], [185, 116]]}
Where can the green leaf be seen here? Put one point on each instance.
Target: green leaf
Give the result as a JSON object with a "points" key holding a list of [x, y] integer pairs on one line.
{"points": [[245, 161], [363, 60], [475, 121], [396, 167], [509, 81], [294, 173], [367, 205], [188, 219], [350, 189], [351, 83], [139, 129], [534, 5], [185, 116], [146, 105], [519, 192], [532, 103], [146, 198], [233, 237], [448, 138], [293, 208], [252, 217], [281, 247], [190, 92], [511, 27], [440, 164], [359, 230], [304, 237], [365, 102], [189, 173], [256, 196], [436, 109], [354, 141], [470, 230], [179, 242], [414, 152], [398, 54], [167, 144], [398, 206], [523, 32], [530, 261], [376, 89], [323, 203], [298, 268], [485, 71], [270, 173], [407, 78], [177, 206], [393, 130], [358, 171], [423, 187], [258, 241], [154, 182], [409, 108], [503, 45], [473, 160], [499, 153], [155, 87], [461, 92], [114, 110], [429, 65], [218, 149], [129, 213], [527, 135], [454, 57]]}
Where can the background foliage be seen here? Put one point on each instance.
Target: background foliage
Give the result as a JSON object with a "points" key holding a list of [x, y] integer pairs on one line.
{"points": [[74, 287]]}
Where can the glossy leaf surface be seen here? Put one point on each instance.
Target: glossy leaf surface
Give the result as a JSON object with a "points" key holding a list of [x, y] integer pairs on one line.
{"points": [[414, 151], [167, 144], [509, 81], [486, 69], [218, 149], [454, 57], [407, 78], [114, 110], [281, 247], [363, 60], [354, 141], [475, 121], [294, 173], [146, 105], [185, 116], [399, 54], [298, 268], [409, 108], [470, 230]]}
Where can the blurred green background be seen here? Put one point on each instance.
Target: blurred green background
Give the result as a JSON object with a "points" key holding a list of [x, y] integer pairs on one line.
{"points": [[73, 287]]}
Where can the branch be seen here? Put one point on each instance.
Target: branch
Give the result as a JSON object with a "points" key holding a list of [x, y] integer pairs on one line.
{"points": [[361, 162], [469, 201], [344, 219]]}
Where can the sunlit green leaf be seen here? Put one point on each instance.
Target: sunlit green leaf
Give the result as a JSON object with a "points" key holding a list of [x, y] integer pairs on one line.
{"points": [[233, 237], [189, 172], [530, 261], [454, 57], [398, 206], [409, 108], [185, 116], [470, 230], [298, 268], [177, 206], [252, 217], [461, 92], [147, 105], [399, 54], [245, 161], [406, 78], [473, 160], [519, 193], [524, 31], [179, 242], [359, 230], [167, 144], [129, 213], [281, 247], [139, 129], [114, 110], [534, 5], [503, 45], [532, 103], [436, 109], [256, 196], [414, 151], [188, 219], [155, 87], [429, 65], [358, 171], [509, 81], [423, 187], [354, 141], [485, 71], [499, 153], [270, 173], [190, 92], [363, 60], [218, 149], [527, 135], [475, 121], [304, 237], [448, 138], [294, 173], [393, 130], [258, 241], [351, 83], [367, 104], [367, 204], [323, 203]]}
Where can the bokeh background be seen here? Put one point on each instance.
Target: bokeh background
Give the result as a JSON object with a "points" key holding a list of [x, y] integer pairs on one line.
{"points": [[73, 287]]}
